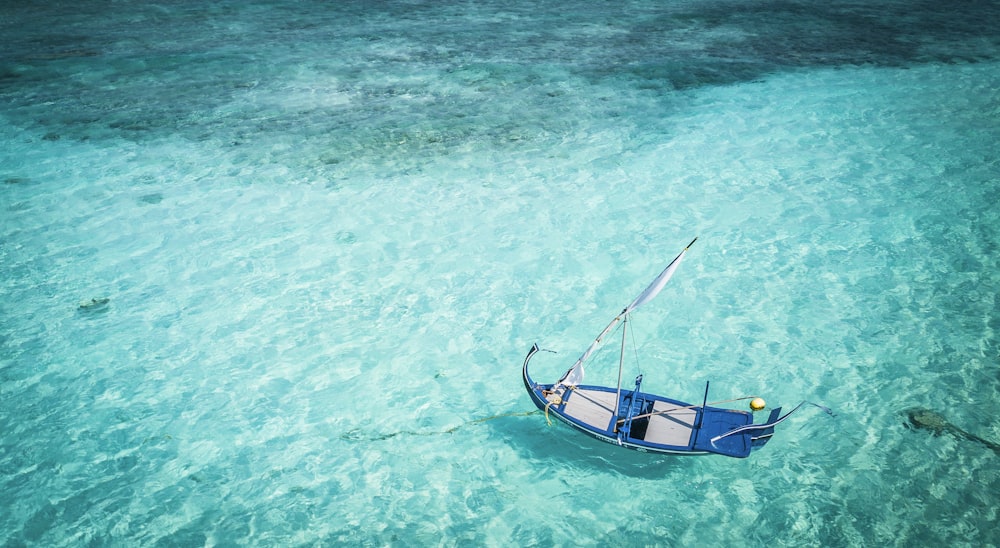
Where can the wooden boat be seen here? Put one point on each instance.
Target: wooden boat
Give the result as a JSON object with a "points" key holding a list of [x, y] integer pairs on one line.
{"points": [[647, 422]]}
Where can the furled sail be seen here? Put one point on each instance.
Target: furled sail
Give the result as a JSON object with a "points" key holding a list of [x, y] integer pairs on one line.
{"points": [[574, 375]]}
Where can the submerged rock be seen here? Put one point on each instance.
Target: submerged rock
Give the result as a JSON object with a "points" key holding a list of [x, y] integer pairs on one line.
{"points": [[153, 198], [921, 418], [93, 305]]}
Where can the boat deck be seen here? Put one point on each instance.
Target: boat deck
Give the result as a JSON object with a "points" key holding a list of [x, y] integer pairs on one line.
{"points": [[674, 427], [593, 408], [671, 424]]}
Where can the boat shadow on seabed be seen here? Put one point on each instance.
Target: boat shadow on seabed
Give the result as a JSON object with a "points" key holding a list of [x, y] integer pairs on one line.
{"points": [[560, 447]]}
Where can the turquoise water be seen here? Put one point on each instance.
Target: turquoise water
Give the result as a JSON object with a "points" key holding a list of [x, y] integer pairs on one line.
{"points": [[328, 234]]}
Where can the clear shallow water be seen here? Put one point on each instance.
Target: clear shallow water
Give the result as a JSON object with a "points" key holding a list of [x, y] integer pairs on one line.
{"points": [[329, 235]]}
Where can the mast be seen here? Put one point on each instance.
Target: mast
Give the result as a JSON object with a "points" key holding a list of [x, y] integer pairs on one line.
{"points": [[621, 362]]}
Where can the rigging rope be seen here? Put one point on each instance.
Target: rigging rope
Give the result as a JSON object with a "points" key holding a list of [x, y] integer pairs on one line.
{"points": [[557, 401], [357, 434]]}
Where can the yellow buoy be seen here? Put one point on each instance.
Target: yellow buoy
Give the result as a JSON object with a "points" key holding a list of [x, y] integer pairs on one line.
{"points": [[757, 404]]}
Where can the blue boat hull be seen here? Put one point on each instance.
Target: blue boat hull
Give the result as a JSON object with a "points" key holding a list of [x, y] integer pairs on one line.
{"points": [[648, 422]]}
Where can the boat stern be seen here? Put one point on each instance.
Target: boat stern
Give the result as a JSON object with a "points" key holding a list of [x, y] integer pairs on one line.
{"points": [[762, 436]]}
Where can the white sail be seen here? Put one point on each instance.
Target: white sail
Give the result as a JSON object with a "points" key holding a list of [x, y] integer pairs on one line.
{"points": [[657, 285], [574, 376]]}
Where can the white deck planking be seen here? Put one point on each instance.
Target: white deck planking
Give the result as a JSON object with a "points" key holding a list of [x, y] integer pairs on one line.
{"points": [[593, 407], [673, 428]]}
